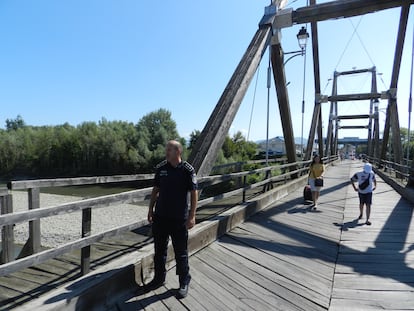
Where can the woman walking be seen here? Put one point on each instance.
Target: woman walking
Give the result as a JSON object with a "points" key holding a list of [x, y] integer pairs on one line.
{"points": [[316, 171]]}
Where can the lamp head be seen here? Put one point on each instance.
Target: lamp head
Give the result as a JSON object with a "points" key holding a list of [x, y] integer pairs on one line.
{"points": [[302, 36]]}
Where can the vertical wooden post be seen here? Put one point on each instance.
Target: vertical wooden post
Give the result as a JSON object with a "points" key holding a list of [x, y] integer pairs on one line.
{"points": [[34, 225], [86, 231], [336, 131], [7, 235], [376, 137], [283, 100], [329, 142], [312, 131], [239, 167], [317, 108], [392, 111], [320, 133], [385, 136], [371, 131], [244, 186], [33, 244]]}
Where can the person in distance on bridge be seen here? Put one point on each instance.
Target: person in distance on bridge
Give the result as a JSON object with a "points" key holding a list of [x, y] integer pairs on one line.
{"points": [[366, 185], [316, 171], [173, 180]]}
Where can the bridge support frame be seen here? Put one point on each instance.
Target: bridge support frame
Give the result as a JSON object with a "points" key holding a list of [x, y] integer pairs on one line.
{"points": [[212, 137], [392, 121]]}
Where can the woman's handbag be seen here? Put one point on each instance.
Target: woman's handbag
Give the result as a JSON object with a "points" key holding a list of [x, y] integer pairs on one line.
{"points": [[318, 182]]}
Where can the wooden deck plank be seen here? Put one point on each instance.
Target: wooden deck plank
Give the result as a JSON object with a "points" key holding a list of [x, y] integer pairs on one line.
{"points": [[251, 295], [375, 267], [288, 270], [383, 299], [294, 237], [304, 257], [301, 296]]}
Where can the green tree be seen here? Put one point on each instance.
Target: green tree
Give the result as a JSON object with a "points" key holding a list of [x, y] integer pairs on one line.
{"points": [[238, 148], [14, 124], [154, 130], [193, 139]]}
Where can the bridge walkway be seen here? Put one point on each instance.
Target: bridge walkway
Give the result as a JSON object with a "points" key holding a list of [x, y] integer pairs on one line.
{"points": [[289, 257]]}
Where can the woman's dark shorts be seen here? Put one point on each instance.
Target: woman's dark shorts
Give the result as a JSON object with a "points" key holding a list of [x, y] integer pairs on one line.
{"points": [[365, 198]]}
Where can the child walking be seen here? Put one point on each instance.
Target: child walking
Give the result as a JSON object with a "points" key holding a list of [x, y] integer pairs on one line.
{"points": [[366, 185]]}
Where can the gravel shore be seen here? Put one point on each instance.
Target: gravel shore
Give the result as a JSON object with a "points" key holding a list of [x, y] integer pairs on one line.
{"points": [[57, 230]]}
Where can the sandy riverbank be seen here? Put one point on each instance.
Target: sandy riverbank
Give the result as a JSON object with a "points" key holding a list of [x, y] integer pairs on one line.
{"points": [[61, 229]]}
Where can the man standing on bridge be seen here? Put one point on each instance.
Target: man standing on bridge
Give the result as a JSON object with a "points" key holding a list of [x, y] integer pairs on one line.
{"points": [[174, 178], [366, 185]]}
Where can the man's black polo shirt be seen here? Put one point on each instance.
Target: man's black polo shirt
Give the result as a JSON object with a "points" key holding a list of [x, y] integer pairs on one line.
{"points": [[174, 184]]}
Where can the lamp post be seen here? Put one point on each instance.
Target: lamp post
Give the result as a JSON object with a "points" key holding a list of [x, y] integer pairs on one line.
{"points": [[376, 131], [302, 37]]}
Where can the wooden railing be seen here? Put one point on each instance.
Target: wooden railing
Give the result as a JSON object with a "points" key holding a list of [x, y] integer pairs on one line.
{"points": [[32, 250], [400, 171]]}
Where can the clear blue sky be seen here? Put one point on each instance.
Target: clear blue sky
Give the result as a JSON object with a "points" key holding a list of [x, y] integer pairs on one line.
{"points": [[75, 61]]}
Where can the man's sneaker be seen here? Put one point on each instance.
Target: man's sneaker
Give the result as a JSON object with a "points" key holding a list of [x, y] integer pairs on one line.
{"points": [[154, 284], [182, 291]]}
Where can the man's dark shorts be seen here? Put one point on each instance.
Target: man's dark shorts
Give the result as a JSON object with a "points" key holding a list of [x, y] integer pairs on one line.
{"points": [[365, 198]]}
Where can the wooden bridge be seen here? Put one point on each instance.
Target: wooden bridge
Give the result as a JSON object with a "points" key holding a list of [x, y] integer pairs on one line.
{"points": [[289, 257], [257, 246], [285, 257]]}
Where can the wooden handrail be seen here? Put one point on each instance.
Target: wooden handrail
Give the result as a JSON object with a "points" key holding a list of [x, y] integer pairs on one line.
{"points": [[38, 258], [403, 170], [77, 181], [124, 197]]}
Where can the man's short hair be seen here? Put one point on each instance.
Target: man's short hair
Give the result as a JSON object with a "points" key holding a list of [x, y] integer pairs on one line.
{"points": [[176, 144]]}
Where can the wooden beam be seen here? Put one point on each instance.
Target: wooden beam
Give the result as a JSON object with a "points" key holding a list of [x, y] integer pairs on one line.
{"points": [[86, 232], [357, 71], [33, 244], [329, 136], [377, 147], [353, 117], [353, 97], [336, 131], [317, 83], [371, 107], [385, 135], [207, 147], [342, 9], [61, 182], [353, 127], [7, 235], [283, 101], [392, 110]]}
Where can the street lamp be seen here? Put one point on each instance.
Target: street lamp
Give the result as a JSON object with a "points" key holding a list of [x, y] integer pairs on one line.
{"points": [[303, 37]]}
